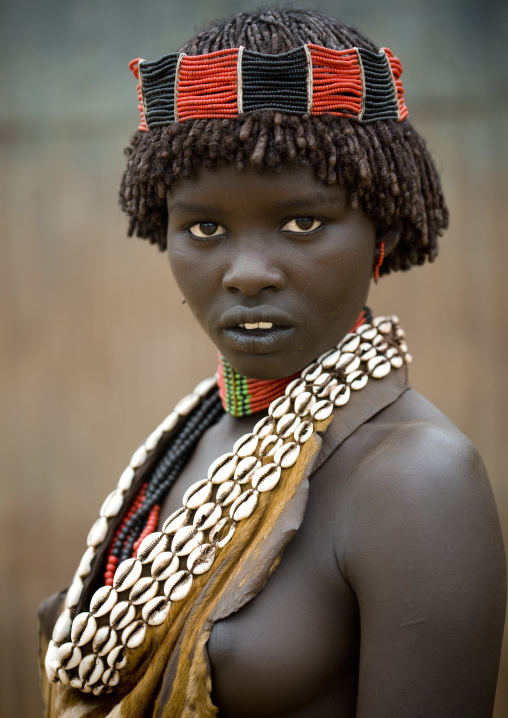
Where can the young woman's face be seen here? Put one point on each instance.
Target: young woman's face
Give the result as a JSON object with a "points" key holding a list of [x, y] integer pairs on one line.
{"points": [[275, 267]]}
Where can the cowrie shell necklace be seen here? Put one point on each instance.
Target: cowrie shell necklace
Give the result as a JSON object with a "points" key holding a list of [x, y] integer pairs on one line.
{"points": [[88, 650]]}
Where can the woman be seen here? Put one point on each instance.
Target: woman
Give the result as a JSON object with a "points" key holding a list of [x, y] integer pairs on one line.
{"points": [[337, 549]]}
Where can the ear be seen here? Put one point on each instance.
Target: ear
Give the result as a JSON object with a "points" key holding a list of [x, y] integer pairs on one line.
{"points": [[390, 238]]}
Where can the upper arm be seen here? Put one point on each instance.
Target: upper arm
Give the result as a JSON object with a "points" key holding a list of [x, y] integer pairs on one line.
{"points": [[424, 557]]}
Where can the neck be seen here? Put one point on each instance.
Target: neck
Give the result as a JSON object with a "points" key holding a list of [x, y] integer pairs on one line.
{"points": [[242, 396]]}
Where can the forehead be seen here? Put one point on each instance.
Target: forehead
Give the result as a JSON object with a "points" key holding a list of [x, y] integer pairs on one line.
{"points": [[228, 187]]}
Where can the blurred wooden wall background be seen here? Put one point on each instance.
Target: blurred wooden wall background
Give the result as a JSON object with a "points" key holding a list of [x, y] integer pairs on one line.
{"points": [[96, 346]]}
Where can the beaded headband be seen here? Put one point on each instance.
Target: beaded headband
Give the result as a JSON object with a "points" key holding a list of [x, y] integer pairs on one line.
{"points": [[355, 83]]}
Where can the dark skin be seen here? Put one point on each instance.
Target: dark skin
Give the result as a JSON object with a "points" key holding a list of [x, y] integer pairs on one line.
{"points": [[389, 601]]}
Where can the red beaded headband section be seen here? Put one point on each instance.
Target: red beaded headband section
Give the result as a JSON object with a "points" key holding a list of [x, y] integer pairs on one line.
{"points": [[355, 83]]}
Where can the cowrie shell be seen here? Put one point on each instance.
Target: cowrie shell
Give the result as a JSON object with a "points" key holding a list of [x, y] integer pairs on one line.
{"points": [[312, 372], [155, 611], [372, 363], [204, 387], [246, 445], [381, 370], [112, 504], [385, 327], [201, 559], [152, 545], [352, 366], [138, 458], [76, 682], [244, 505], [286, 456], [367, 351], [98, 690], [269, 444], [264, 427], [197, 495], [367, 332], [287, 425], [187, 404], [74, 593], [223, 468], [154, 438], [391, 352], [178, 585], [397, 361], [143, 590], [223, 532], [321, 381], [85, 565], [400, 333], [178, 518], [164, 566], [345, 341], [91, 669], [304, 432], [345, 361], [207, 516], [62, 629], [103, 601], [304, 403], [228, 492], [170, 421], [127, 574], [357, 380], [295, 387], [186, 540], [332, 359], [117, 658], [322, 410], [243, 471], [340, 395], [49, 659], [104, 640], [98, 532], [125, 480], [377, 321], [266, 478], [83, 628], [279, 407], [327, 389], [134, 634], [63, 676], [68, 655], [380, 343], [352, 344], [121, 615], [110, 678]]}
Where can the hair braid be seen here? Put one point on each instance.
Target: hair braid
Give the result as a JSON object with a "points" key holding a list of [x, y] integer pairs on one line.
{"points": [[385, 165]]}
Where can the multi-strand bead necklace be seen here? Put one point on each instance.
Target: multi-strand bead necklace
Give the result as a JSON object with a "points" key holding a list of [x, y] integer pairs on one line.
{"points": [[89, 650]]}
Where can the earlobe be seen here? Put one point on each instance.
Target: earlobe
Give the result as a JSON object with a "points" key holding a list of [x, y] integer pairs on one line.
{"points": [[390, 239]]}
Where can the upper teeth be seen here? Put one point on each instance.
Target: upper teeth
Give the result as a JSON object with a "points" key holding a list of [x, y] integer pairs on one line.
{"points": [[257, 325]]}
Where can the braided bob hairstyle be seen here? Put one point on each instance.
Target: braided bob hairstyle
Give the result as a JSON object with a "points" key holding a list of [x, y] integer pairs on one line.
{"points": [[385, 165]]}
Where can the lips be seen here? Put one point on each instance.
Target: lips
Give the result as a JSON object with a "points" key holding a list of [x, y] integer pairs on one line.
{"points": [[258, 330]]}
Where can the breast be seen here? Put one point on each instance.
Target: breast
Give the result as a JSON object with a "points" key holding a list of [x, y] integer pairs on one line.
{"points": [[294, 643]]}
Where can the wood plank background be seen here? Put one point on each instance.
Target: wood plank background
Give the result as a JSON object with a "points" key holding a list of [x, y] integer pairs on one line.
{"points": [[96, 344]]}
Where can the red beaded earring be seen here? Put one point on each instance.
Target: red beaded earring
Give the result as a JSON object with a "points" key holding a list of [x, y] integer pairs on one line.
{"points": [[379, 260]]}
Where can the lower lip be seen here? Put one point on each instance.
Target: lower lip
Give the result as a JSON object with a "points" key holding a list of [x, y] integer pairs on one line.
{"points": [[257, 341]]}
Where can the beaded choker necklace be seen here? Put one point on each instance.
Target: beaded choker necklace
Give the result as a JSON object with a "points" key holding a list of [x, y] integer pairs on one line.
{"points": [[241, 396], [313, 80], [90, 649]]}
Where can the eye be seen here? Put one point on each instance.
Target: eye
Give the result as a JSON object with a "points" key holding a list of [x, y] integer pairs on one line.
{"points": [[302, 225], [204, 230]]}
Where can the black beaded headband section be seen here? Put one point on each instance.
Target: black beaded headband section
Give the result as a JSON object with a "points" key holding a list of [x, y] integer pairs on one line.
{"points": [[355, 83]]}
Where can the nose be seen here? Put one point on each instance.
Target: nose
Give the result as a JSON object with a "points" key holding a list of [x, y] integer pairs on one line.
{"points": [[252, 270]]}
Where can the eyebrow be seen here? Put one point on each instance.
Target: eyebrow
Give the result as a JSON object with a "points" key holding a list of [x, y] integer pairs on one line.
{"points": [[318, 198]]}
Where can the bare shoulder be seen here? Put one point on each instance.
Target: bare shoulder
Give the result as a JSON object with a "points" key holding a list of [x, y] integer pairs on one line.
{"points": [[419, 511]]}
